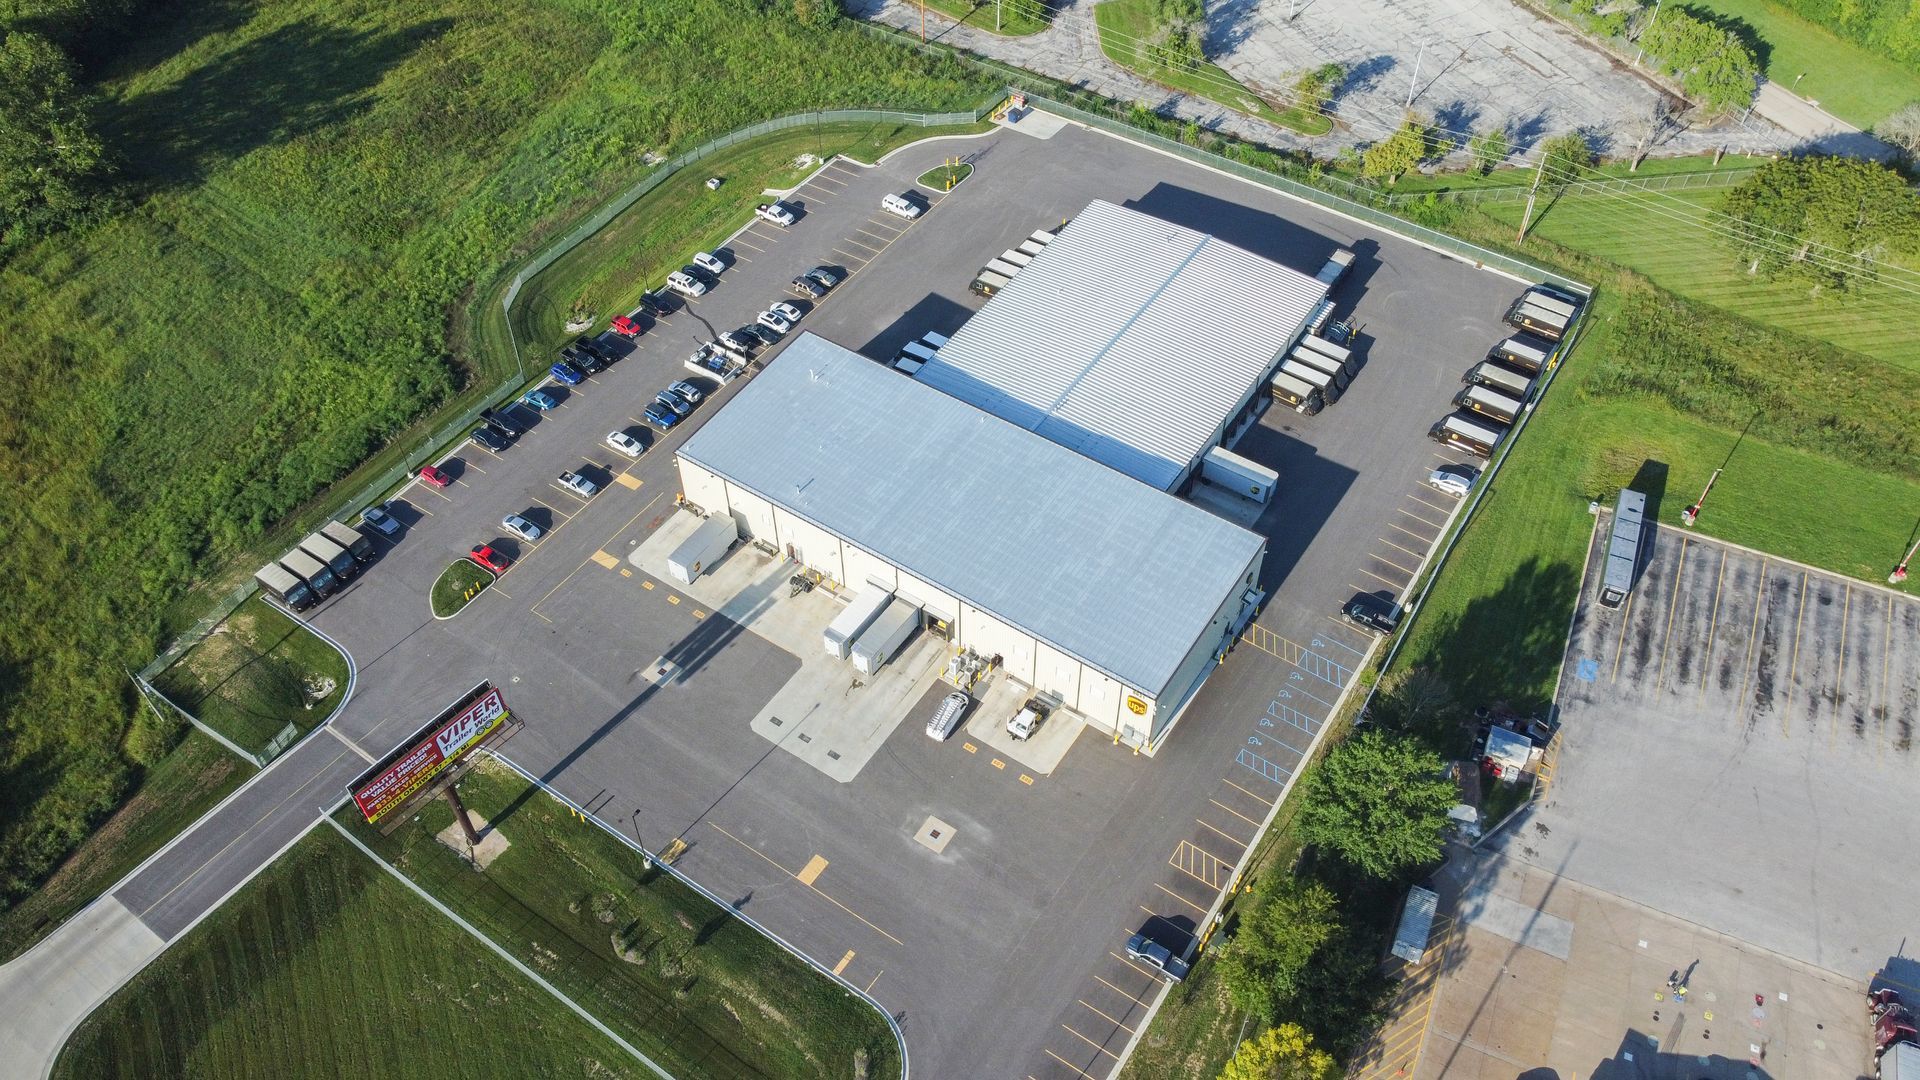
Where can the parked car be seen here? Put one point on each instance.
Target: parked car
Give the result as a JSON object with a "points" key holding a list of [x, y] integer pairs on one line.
{"points": [[686, 392], [1028, 719], [772, 321], [520, 527], [667, 398], [701, 274], [686, 284], [627, 326], [900, 206], [739, 341], [578, 484], [947, 716], [824, 276], [567, 373], [594, 346], [488, 438], [486, 556], [766, 334], [808, 289], [377, 518], [502, 424], [660, 416], [625, 443], [775, 212], [435, 476], [541, 400], [1155, 955], [658, 303], [1453, 479], [709, 262], [1371, 613], [586, 361], [786, 311]]}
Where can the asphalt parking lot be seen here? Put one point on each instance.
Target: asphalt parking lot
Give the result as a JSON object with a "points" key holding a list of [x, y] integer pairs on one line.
{"points": [[1736, 741], [1016, 926]]}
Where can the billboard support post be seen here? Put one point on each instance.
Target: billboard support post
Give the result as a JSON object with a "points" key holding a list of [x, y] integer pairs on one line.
{"points": [[460, 815]]}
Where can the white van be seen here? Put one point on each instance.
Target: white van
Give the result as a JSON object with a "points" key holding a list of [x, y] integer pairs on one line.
{"points": [[1028, 719], [686, 284], [899, 206], [947, 717]]}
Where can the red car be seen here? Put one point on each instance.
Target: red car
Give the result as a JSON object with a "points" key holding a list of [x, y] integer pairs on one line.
{"points": [[491, 559], [626, 327], [434, 476]]}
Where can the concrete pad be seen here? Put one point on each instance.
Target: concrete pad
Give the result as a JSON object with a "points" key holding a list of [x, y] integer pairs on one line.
{"points": [[492, 841], [1040, 125], [835, 719], [1223, 503], [1002, 700], [59, 981]]}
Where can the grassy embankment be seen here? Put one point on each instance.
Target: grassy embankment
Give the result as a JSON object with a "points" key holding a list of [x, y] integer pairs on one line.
{"points": [[256, 673], [1855, 83], [325, 966], [683, 980], [269, 319], [1125, 28], [1008, 18]]}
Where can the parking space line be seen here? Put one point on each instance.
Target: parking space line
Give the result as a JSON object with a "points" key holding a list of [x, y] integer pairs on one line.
{"points": [[1753, 632], [1105, 1017], [875, 979], [1621, 649], [1391, 563], [1182, 899], [1234, 812], [1673, 608], [812, 888], [1117, 990], [1397, 547], [1713, 621], [1390, 581], [1794, 669], [1237, 842], [1208, 853], [1410, 532], [552, 509], [1435, 525], [1840, 676], [855, 243], [849, 255], [429, 489], [1436, 506], [749, 247], [1070, 1064], [844, 961], [1244, 791], [1091, 1043]]}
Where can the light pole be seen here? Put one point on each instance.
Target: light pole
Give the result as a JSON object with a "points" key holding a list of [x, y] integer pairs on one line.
{"points": [[1415, 78], [1643, 33], [1795, 88]]}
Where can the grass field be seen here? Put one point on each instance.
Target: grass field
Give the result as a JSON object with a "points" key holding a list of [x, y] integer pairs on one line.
{"points": [[1696, 263], [1854, 83], [683, 980], [634, 252], [170, 796], [325, 966], [1125, 25], [256, 673], [312, 189], [1008, 18], [944, 178], [457, 585]]}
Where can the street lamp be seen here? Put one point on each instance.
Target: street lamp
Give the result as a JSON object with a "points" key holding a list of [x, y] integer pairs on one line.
{"points": [[1643, 33], [1796, 82]]}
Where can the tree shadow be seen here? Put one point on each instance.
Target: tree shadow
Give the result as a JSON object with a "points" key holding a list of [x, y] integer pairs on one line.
{"points": [[1365, 75], [1508, 644], [271, 89], [1230, 24], [1523, 134], [1456, 116]]}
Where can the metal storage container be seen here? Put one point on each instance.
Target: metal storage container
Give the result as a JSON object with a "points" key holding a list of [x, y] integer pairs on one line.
{"points": [[884, 636], [1247, 479], [846, 626], [699, 551]]}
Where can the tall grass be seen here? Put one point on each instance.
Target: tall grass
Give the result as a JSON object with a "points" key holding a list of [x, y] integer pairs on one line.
{"points": [[314, 187]]}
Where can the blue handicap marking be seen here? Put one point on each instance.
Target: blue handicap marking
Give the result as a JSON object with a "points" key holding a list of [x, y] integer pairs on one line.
{"points": [[1254, 740], [1264, 722], [1286, 693], [1587, 670], [1296, 677], [1319, 644]]}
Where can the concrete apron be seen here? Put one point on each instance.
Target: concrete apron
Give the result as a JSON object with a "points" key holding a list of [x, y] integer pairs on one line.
{"points": [[53, 987]]}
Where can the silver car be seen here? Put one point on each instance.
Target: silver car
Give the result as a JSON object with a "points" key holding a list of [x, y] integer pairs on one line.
{"points": [[520, 527], [1453, 479]]}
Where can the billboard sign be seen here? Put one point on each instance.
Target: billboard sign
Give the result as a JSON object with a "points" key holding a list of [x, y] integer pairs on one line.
{"points": [[395, 779]]}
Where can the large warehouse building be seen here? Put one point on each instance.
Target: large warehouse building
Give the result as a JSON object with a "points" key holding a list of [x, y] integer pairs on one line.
{"points": [[1113, 595], [1022, 489]]}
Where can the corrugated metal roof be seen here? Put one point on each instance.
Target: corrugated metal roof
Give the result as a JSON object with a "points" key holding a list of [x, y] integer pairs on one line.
{"points": [[1416, 925], [1129, 340], [1102, 567]]}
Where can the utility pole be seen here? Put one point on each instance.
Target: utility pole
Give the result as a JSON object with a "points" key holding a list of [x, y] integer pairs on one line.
{"points": [[1526, 216], [1900, 572], [1415, 78], [923, 22], [1692, 513], [1643, 33], [997, 5]]}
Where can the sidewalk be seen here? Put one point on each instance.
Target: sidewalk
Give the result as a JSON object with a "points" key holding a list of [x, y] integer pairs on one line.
{"points": [[59, 981], [1806, 121]]}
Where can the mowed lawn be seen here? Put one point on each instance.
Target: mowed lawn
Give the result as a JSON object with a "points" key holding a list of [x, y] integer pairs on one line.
{"points": [[1495, 623], [1660, 236], [323, 967], [259, 671], [1850, 81]]}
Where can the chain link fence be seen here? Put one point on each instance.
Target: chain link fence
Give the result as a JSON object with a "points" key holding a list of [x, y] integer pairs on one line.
{"points": [[1625, 185]]}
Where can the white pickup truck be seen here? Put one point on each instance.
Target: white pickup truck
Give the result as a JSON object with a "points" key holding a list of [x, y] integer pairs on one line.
{"points": [[578, 484], [774, 212]]}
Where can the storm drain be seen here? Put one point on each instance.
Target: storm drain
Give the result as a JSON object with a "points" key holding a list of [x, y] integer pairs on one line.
{"points": [[935, 834]]}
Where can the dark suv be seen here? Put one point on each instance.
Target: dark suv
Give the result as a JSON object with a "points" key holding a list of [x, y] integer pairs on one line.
{"points": [[488, 438], [1371, 613], [808, 289]]}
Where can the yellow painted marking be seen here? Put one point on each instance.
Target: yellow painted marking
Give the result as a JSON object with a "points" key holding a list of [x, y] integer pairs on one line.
{"points": [[844, 961], [543, 616], [1071, 1065], [673, 599], [969, 747], [1244, 791], [810, 873], [1436, 506], [1105, 1017], [1621, 649], [1794, 669], [1391, 563], [1405, 550], [1027, 780], [1388, 580], [647, 585], [1234, 812], [1673, 608], [624, 572], [816, 891], [1228, 835], [1840, 678], [998, 764], [1713, 621], [1886, 643], [606, 560], [1410, 532], [1091, 1043], [1117, 990], [1753, 632], [627, 480], [1180, 898], [875, 979], [698, 614]]}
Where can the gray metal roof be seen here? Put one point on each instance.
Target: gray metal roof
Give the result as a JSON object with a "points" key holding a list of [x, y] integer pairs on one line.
{"points": [[1107, 569], [1129, 339]]}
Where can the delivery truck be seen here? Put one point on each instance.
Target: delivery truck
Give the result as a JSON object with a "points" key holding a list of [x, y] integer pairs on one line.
{"points": [[707, 544], [357, 543], [859, 613], [884, 635], [281, 584], [312, 571], [337, 558]]}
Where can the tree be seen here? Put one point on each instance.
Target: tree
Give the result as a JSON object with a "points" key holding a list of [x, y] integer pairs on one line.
{"points": [[818, 12], [1714, 66], [1565, 157], [1316, 87], [1823, 219], [49, 154], [1379, 804], [1902, 130], [1488, 149], [1280, 1053], [1398, 153], [1273, 944]]}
